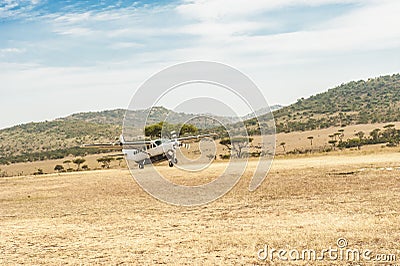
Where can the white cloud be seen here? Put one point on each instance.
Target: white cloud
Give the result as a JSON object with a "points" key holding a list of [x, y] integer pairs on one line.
{"points": [[72, 18], [77, 31], [124, 45], [206, 10], [223, 30], [12, 50], [371, 26], [134, 43], [37, 93], [17, 8]]}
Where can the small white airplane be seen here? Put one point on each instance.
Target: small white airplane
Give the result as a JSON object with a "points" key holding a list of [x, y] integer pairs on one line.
{"points": [[150, 151]]}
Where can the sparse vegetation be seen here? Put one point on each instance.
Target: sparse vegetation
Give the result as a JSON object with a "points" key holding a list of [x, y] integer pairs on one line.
{"points": [[3, 173], [236, 145], [389, 135], [105, 161], [78, 162], [39, 172], [358, 102], [52, 140]]}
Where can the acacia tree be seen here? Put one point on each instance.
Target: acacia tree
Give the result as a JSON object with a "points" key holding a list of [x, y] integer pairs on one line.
{"points": [[336, 135], [78, 162], [341, 136], [356, 142], [333, 143], [154, 131], [360, 135], [119, 159], [105, 161], [188, 129], [283, 144], [389, 133], [164, 129], [311, 140], [236, 144], [375, 134]]}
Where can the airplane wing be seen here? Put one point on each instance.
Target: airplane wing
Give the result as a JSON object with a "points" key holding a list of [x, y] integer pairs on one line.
{"points": [[118, 145], [135, 144], [197, 137], [107, 146]]}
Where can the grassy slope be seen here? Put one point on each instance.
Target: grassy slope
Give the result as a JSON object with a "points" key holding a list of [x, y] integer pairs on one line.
{"points": [[358, 102], [49, 137]]}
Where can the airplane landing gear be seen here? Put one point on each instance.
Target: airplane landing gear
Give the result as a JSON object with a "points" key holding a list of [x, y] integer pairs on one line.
{"points": [[172, 162], [171, 158], [141, 165]]}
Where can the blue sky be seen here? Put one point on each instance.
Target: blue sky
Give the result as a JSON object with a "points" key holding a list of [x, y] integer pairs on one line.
{"points": [[62, 57]]}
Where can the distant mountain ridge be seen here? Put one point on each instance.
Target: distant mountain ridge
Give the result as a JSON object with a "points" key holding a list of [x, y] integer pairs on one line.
{"points": [[116, 116], [357, 102], [63, 136], [157, 114], [111, 117], [263, 111]]}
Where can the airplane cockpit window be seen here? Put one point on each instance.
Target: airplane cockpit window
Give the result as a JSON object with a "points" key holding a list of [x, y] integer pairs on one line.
{"points": [[158, 142]]}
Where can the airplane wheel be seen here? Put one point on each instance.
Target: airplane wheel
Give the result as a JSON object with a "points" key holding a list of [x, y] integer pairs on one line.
{"points": [[171, 164], [141, 166], [170, 154]]}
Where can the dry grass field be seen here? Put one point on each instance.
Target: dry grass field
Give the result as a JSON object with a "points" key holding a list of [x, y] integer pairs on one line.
{"points": [[104, 218], [293, 140]]}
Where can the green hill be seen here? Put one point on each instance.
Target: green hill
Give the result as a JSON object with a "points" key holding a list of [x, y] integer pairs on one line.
{"points": [[64, 136], [358, 102], [52, 140]]}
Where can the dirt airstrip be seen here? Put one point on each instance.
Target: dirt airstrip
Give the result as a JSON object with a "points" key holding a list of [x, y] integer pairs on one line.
{"points": [[104, 217]]}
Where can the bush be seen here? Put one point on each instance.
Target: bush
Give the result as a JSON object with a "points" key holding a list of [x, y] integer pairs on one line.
{"points": [[225, 156], [58, 168]]}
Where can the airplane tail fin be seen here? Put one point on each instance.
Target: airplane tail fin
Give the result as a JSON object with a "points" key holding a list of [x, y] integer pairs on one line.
{"points": [[122, 139], [174, 135]]}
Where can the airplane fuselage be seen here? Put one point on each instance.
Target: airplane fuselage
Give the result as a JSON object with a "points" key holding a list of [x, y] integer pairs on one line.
{"points": [[156, 151]]}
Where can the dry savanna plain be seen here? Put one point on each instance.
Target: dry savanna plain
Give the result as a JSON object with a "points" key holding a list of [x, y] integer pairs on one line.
{"points": [[305, 203]]}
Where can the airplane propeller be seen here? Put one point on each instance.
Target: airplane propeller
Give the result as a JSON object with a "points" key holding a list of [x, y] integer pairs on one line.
{"points": [[184, 145]]}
